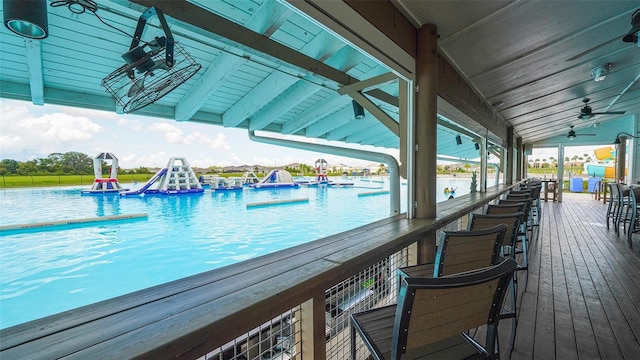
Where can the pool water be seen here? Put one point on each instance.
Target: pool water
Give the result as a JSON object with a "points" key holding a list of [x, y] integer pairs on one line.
{"points": [[46, 271]]}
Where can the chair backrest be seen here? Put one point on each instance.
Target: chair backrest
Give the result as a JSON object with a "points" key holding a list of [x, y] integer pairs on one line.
{"points": [[527, 202], [460, 251], [526, 192], [506, 208], [511, 220], [535, 190], [616, 191], [433, 309]]}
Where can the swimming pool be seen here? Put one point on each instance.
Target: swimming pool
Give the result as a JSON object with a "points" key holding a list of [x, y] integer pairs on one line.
{"points": [[48, 271]]}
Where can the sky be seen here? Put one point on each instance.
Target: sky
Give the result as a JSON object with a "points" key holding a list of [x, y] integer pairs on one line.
{"points": [[29, 132]]}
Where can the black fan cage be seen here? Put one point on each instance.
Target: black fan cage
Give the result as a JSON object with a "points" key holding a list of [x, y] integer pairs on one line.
{"points": [[146, 88]]}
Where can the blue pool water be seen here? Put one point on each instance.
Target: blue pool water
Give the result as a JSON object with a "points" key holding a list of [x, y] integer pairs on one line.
{"points": [[45, 272]]}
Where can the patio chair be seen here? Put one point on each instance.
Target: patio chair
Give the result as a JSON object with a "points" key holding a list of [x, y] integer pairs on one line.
{"points": [[505, 208], [512, 220], [527, 230], [623, 200], [432, 316], [535, 190], [634, 218], [614, 203], [460, 251]]}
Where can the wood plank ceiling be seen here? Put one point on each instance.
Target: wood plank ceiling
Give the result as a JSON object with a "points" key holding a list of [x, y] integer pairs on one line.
{"points": [[533, 60], [266, 67]]}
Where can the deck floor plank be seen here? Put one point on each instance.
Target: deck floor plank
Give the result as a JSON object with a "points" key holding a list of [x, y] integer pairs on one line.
{"points": [[583, 296]]}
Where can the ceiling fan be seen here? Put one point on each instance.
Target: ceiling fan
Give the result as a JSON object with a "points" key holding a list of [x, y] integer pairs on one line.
{"points": [[572, 134], [586, 113], [152, 68]]}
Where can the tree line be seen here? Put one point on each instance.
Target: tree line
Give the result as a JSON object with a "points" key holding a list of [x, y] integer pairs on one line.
{"points": [[69, 163]]}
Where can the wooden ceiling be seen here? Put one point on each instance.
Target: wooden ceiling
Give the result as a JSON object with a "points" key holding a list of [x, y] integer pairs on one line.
{"points": [[268, 67]]}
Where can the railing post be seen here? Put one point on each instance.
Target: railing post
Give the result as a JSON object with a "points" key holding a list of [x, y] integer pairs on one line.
{"points": [[427, 247], [312, 337]]}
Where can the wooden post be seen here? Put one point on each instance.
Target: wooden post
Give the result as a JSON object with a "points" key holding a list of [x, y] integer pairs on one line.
{"points": [[520, 162], [509, 170], [312, 337], [621, 154], [425, 133]]}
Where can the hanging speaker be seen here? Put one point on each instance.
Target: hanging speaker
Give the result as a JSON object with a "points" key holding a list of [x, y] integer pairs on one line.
{"points": [[358, 110]]}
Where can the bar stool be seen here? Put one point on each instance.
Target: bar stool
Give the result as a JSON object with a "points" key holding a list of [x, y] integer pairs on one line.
{"points": [[634, 224], [621, 210], [614, 204]]}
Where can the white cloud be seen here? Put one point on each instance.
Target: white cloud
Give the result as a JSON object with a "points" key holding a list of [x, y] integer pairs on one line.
{"points": [[24, 132], [217, 143], [172, 134]]}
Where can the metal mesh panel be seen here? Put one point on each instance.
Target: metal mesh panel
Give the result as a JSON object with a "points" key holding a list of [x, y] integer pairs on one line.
{"points": [[371, 288], [274, 340]]}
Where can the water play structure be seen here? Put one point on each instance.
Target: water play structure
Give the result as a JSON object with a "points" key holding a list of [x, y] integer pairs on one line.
{"points": [[249, 177], [606, 167], [322, 178], [177, 178], [219, 183], [275, 179], [103, 185]]}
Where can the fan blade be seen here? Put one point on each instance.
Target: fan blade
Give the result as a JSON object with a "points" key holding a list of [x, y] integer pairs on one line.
{"points": [[594, 48], [609, 113], [137, 87]]}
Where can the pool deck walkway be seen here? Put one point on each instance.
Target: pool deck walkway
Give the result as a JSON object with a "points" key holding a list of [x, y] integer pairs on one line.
{"points": [[582, 299]]}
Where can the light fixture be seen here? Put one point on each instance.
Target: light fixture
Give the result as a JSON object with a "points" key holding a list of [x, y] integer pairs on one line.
{"points": [[358, 110], [617, 141], [458, 140], [477, 146], [601, 72], [632, 35], [26, 18]]}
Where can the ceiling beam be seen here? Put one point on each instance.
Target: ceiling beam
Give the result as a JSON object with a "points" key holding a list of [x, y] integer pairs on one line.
{"points": [[284, 102], [315, 113], [34, 63], [334, 121], [231, 33], [378, 113], [222, 68], [368, 83], [264, 92], [343, 131]]}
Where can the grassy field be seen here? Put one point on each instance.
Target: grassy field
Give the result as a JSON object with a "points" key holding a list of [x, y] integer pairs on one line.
{"points": [[62, 180]]}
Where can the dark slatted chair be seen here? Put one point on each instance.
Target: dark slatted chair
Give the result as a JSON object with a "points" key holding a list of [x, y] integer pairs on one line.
{"points": [[526, 231], [432, 317], [634, 216], [507, 208], [614, 203], [535, 189], [512, 221], [460, 251], [621, 216]]}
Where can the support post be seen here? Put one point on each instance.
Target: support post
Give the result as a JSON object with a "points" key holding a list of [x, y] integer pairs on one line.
{"points": [[520, 157], [312, 337], [508, 173], [425, 133], [621, 156]]}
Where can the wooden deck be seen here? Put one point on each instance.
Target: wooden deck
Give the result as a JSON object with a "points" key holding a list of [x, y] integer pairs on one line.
{"points": [[582, 300]]}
